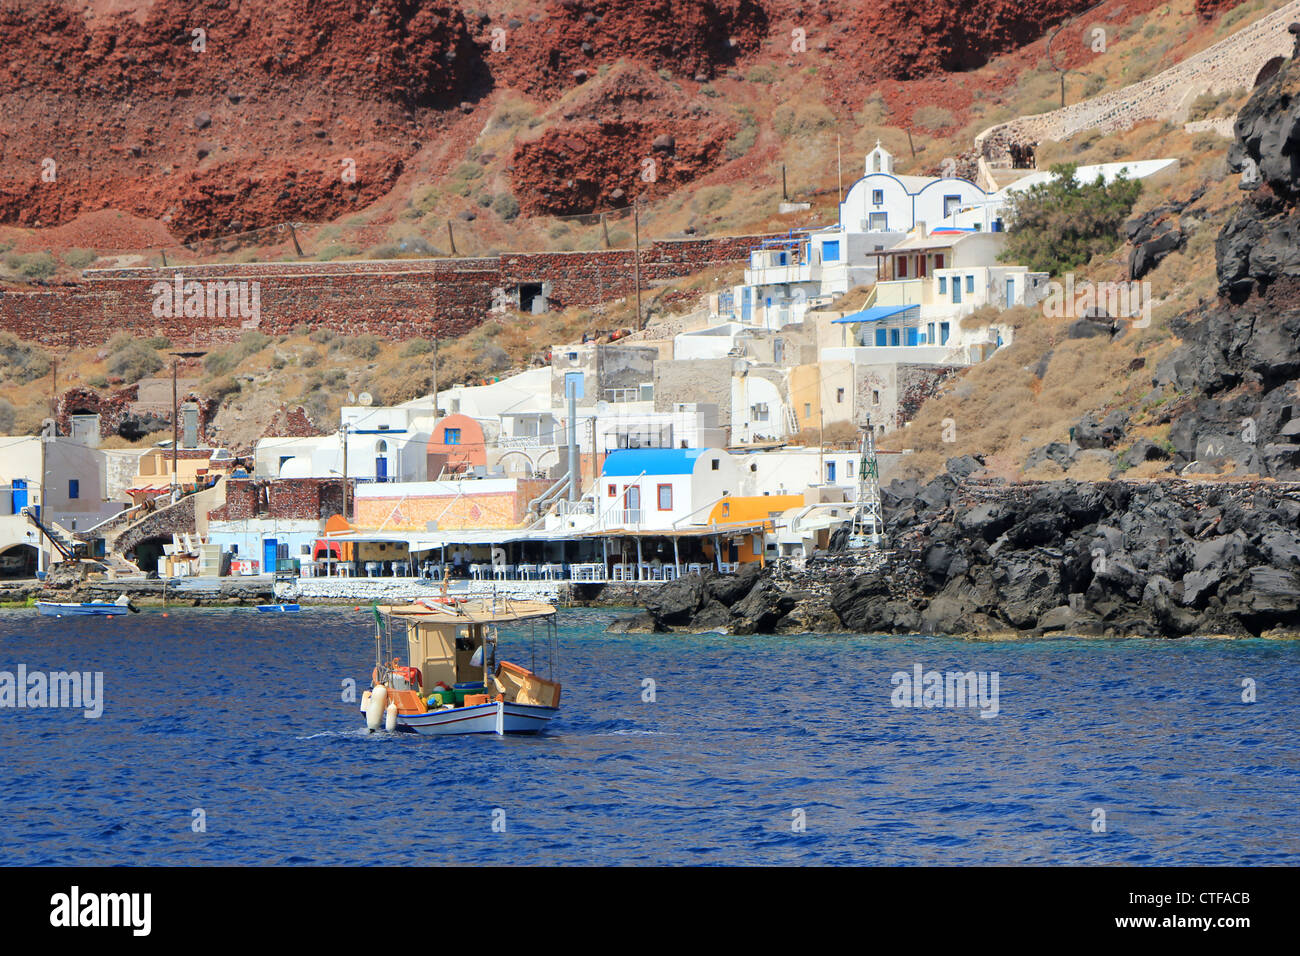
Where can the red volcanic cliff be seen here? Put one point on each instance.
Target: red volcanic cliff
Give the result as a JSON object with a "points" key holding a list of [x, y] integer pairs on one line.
{"points": [[311, 109]]}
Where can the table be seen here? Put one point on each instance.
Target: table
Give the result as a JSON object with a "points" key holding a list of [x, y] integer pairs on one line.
{"points": [[527, 572], [587, 572], [551, 572]]}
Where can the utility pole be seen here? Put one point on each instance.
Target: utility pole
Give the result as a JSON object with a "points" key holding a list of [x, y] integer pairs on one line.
{"points": [[176, 431], [784, 194], [636, 228], [435, 378], [345, 471], [839, 168]]}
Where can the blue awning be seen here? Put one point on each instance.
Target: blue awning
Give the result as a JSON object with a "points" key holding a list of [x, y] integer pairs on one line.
{"points": [[878, 313]]}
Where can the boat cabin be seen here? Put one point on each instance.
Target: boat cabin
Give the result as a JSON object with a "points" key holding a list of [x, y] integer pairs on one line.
{"points": [[442, 639]]}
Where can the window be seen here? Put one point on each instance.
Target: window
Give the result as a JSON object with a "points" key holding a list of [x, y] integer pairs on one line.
{"points": [[807, 410], [839, 395], [894, 337], [970, 284], [830, 471], [938, 260], [902, 267], [943, 285], [665, 497], [875, 396], [950, 205], [831, 251], [880, 336], [74, 488], [943, 333], [877, 197], [877, 222], [715, 463], [613, 491], [451, 436]]}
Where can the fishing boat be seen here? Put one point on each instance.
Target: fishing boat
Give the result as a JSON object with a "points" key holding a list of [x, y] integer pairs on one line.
{"points": [[87, 608], [278, 608], [452, 682]]}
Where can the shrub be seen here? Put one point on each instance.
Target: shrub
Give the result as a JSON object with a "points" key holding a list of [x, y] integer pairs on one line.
{"points": [[358, 346], [743, 141], [417, 347], [506, 206], [1061, 224], [134, 361], [33, 265], [79, 258], [802, 121], [933, 118], [21, 361]]}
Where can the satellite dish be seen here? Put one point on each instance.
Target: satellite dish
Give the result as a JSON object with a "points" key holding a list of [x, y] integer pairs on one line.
{"points": [[365, 398]]}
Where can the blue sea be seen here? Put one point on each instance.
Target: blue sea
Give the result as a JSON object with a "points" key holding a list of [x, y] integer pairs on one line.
{"points": [[224, 739]]}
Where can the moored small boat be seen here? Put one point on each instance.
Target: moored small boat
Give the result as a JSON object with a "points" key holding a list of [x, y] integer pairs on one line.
{"points": [[278, 608], [452, 682], [83, 609]]}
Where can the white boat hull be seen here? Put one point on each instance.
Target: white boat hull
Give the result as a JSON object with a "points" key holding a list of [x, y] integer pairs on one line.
{"points": [[498, 718]]}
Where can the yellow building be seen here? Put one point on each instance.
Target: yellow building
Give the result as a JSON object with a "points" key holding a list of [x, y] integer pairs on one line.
{"points": [[755, 510]]}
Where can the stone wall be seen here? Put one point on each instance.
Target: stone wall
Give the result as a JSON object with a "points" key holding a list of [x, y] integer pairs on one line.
{"points": [[1234, 62], [396, 299], [304, 499]]}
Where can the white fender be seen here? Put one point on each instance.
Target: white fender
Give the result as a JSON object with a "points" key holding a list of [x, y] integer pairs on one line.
{"points": [[390, 718], [375, 708]]}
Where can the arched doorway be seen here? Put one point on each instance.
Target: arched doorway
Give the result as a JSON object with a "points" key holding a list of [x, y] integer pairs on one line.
{"points": [[18, 561], [1268, 71], [147, 553]]}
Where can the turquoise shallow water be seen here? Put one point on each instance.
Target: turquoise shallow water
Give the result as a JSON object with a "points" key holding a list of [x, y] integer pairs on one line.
{"points": [[240, 714]]}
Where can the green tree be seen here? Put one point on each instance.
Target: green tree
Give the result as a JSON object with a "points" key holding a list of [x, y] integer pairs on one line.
{"points": [[1061, 224]]}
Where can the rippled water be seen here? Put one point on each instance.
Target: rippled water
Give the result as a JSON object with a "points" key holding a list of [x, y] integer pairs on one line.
{"points": [[239, 714]]}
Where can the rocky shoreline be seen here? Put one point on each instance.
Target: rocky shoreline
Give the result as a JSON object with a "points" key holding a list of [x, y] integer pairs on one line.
{"points": [[987, 558]]}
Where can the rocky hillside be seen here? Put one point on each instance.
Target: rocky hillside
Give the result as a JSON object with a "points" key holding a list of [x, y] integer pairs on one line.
{"points": [[1170, 557], [969, 557], [1240, 362], [212, 117]]}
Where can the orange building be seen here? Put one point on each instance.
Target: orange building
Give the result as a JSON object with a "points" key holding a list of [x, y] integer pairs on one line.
{"points": [[457, 444]]}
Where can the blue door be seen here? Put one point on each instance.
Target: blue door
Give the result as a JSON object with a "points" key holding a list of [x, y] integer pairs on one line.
{"points": [[270, 548], [381, 468], [956, 290], [1011, 292], [20, 494]]}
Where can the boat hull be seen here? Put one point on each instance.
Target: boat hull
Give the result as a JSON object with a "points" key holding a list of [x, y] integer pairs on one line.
{"points": [[493, 718], [54, 609], [278, 608]]}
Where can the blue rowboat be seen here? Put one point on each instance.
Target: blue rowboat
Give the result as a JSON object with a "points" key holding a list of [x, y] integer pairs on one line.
{"points": [[277, 608], [85, 609]]}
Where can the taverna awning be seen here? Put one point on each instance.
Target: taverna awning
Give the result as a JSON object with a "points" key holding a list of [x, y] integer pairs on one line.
{"points": [[878, 313]]}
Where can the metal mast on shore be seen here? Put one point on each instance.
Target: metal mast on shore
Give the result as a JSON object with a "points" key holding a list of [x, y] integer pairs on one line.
{"points": [[868, 517]]}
